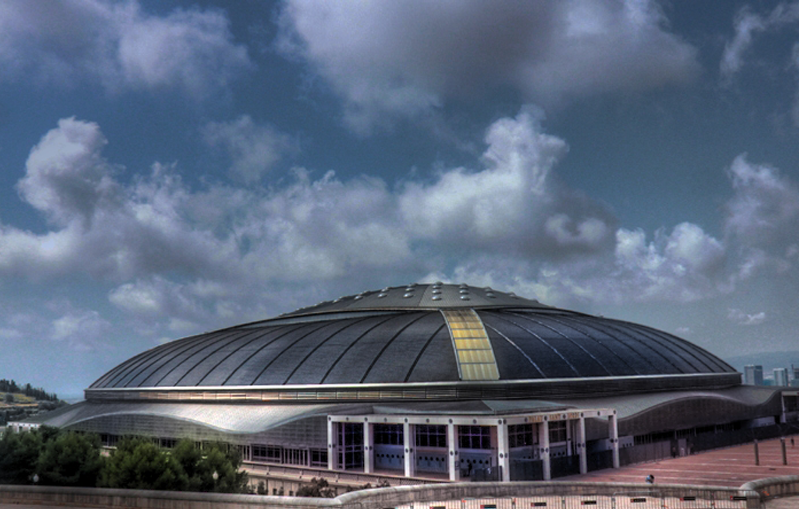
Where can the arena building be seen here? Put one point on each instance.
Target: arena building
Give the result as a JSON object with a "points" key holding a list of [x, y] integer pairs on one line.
{"points": [[434, 380]]}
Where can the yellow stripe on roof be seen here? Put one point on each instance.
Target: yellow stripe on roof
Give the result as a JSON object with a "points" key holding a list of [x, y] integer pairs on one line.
{"points": [[473, 351]]}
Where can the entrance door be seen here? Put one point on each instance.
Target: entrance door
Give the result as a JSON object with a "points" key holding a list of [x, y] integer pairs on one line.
{"points": [[350, 439]]}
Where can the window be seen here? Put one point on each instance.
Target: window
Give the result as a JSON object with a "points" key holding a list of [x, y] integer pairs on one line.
{"points": [[474, 437], [557, 431], [270, 453], [431, 436], [350, 438], [318, 458], [521, 435], [168, 443], [296, 456], [388, 434]]}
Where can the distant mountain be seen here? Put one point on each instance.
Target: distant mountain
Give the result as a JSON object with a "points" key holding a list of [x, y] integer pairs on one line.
{"points": [[769, 361]]}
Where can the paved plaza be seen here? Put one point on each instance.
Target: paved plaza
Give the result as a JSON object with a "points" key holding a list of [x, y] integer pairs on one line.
{"points": [[730, 467]]}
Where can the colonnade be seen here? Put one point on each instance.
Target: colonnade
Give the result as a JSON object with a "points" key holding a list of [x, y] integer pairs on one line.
{"points": [[575, 420]]}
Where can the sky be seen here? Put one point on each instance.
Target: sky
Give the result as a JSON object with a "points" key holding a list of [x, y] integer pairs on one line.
{"points": [[173, 167]]}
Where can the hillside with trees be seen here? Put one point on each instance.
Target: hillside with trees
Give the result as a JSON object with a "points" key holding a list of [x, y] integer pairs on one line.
{"points": [[19, 401]]}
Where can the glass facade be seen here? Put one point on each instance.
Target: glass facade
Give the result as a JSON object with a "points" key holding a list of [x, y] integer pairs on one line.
{"points": [[474, 437], [431, 436], [557, 432], [350, 439], [388, 434], [522, 435]]}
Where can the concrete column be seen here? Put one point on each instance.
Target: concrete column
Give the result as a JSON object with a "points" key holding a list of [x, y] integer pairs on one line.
{"points": [[409, 442], [368, 447], [581, 450], [454, 463], [544, 439], [783, 416], [332, 440], [503, 449], [613, 431]]}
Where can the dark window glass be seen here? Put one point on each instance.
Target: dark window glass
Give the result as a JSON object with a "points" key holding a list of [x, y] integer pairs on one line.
{"points": [[521, 435], [431, 435], [388, 434], [557, 431], [474, 437]]}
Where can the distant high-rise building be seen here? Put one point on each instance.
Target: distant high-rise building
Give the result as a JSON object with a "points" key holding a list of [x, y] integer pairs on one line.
{"points": [[753, 375], [781, 377]]}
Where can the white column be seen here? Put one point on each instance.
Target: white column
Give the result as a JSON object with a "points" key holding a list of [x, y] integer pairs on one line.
{"points": [[503, 449], [332, 439], [454, 465], [582, 451], [368, 446], [544, 439], [409, 441], [613, 430]]}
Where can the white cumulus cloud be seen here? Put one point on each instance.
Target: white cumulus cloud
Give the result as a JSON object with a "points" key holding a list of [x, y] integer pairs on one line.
{"points": [[393, 59], [118, 45], [763, 215], [186, 258]]}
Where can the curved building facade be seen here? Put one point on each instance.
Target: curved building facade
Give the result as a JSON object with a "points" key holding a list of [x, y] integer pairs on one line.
{"points": [[435, 379]]}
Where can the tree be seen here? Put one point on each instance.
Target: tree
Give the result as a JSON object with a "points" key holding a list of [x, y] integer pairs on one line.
{"points": [[70, 459], [19, 453], [189, 457], [140, 464], [9, 398], [225, 463]]}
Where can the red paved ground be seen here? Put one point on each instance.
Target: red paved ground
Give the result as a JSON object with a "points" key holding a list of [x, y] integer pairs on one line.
{"points": [[731, 467]]}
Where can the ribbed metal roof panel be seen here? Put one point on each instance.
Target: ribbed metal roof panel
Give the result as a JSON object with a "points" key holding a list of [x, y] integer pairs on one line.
{"points": [[402, 337]]}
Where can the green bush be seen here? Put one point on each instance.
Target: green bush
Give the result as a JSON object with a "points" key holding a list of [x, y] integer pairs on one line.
{"points": [[72, 459], [140, 464], [19, 453]]}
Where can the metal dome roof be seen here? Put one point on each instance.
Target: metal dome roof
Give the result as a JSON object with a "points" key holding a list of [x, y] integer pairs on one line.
{"points": [[423, 333]]}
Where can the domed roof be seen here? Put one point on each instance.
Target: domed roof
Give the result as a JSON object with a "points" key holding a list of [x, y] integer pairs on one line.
{"points": [[423, 333]]}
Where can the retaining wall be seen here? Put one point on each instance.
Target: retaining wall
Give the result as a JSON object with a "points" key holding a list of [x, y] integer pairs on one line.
{"points": [[772, 487], [407, 496]]}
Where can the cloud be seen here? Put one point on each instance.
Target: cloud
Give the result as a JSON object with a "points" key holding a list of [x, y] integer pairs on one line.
{"points": [[739, 317], [191, 254], [685, 265], [254, 149], [119, 46], [403, 59], [82, 329], [747, 25], [750, 28], [179, 260], [513, 204], [66, 178], [103, 228], [762, 216]]}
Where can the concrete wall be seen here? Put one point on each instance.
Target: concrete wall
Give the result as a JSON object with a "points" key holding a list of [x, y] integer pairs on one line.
{"points": [[775, 486], [365, 499]]}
